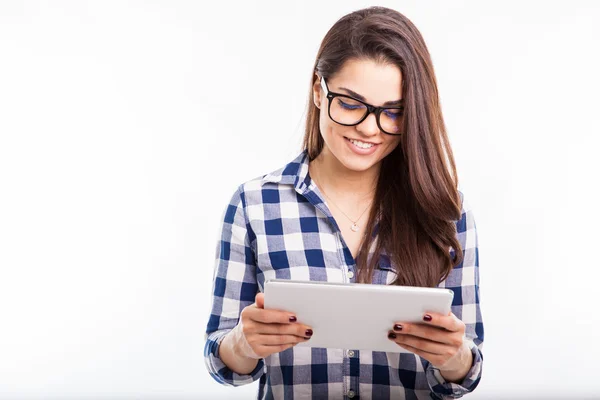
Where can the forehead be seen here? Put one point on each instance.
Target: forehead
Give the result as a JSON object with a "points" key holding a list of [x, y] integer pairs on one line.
{"points": [[377, 82]]}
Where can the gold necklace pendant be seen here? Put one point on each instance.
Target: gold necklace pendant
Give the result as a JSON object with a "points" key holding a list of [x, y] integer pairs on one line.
{"points": [[354, 227]]}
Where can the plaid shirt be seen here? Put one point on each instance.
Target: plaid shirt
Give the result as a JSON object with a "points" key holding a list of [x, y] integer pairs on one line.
{"points": [[278, 226]]}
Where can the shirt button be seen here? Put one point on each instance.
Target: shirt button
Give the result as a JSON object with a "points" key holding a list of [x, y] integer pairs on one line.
{"points": [[350, 393], [350, 274], [350, 353]]}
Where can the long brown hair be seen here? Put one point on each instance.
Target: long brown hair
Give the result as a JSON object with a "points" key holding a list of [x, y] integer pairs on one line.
{"points": [[417, 195]]}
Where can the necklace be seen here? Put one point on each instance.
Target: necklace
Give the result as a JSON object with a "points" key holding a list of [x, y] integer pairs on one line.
{"points": [[354, 225]]}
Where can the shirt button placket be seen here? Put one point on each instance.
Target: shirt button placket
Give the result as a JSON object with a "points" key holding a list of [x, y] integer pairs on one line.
{"points": [[351, 394]]}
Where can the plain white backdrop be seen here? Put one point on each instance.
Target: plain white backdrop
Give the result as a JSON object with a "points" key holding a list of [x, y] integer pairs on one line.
{"points": [[126, 126]]}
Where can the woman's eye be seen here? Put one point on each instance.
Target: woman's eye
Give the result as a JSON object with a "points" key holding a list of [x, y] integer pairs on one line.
{"points": [[349, 106], [393, 114]]}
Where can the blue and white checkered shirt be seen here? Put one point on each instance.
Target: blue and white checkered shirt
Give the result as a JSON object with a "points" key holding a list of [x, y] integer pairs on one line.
{"points": [[278, 226]]}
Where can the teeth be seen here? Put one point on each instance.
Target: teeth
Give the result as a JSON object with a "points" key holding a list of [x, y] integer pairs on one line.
{"points": [[362, 145]]}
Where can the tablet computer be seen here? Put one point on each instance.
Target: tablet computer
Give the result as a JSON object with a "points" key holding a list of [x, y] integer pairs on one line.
{"points": [[354, 315]]}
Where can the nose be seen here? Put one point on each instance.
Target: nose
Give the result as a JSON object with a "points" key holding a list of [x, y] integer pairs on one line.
{"points": [[369, 126]]}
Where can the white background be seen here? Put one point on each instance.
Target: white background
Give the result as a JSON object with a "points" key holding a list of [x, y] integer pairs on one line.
{"points": [[126, 126]]}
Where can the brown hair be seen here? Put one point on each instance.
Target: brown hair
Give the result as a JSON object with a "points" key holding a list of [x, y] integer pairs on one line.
{"points": [[417, 190]]}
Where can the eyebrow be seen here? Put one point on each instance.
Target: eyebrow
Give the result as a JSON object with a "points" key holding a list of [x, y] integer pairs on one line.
{"points": [[360, 97]]}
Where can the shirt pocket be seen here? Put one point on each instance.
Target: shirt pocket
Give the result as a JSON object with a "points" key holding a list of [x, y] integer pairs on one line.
{"points": [[384, 273], [301, 256]]}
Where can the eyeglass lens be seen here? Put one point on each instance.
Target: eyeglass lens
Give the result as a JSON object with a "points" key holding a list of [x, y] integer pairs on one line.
{"points": [[347, 111]]}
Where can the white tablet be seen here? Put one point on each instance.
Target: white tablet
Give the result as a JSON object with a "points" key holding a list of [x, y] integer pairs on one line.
{"points": [[354, 315]]}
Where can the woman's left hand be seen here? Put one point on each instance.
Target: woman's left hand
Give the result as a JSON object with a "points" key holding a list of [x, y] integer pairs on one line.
{"points": [[439, 340]]}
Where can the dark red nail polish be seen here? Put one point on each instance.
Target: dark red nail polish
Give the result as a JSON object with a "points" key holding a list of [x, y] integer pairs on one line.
{"points": [[392, 335], [309, 332], [398, 327], [427, 318], [292, 319]]}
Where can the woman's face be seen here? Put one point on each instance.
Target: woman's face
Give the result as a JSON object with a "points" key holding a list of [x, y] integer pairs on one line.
{"points": [[377, 84]]}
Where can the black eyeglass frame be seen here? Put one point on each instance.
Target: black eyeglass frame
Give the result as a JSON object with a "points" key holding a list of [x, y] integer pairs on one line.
{"points": [[370, 108]]}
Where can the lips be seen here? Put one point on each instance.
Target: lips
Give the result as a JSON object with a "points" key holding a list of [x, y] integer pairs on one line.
{"points": [[360, 150], [360, 140]]}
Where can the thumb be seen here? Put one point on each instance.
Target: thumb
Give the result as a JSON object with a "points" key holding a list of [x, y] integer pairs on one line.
{"points": [[260, 300]]}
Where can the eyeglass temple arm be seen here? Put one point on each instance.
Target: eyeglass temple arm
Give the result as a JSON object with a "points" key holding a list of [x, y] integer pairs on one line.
{"points": [[324, 86]]}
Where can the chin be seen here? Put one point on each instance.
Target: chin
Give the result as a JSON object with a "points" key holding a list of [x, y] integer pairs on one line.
{"points": [[355, 162]]}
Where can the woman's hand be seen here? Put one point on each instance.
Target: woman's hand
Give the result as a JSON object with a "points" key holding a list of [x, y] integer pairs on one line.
{"points": [[260, 332], [439, 340]]}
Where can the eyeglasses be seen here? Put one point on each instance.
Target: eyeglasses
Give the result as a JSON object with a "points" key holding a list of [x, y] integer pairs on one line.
{"points": [[349, 111]]}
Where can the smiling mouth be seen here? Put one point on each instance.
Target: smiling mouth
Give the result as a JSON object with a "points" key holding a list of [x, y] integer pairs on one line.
{"points": [[361, 144]]}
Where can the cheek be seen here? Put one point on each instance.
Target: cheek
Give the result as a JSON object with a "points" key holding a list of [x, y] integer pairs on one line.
{"points": [[327, 127], [333, 135], [391, 145], [323, 127]]}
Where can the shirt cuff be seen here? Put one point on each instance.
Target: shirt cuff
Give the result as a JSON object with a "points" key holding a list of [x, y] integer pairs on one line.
{"points": [[443, 389], [221, 372]]}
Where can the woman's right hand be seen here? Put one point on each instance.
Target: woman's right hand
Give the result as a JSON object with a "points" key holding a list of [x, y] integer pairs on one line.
{"points": [[261, 332]]}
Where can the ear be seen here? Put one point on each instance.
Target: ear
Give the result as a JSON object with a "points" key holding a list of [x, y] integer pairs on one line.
{"points": [[317, 91]]}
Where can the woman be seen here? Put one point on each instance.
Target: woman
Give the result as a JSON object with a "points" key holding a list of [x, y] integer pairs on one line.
{"points": [[372, 198]]}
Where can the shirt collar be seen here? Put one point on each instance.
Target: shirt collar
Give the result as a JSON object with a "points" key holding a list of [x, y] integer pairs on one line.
{"points": [[293, 173], [296, 173]]}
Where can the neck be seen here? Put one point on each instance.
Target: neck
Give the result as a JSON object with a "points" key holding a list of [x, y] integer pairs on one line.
{"points": [[332, 175]]}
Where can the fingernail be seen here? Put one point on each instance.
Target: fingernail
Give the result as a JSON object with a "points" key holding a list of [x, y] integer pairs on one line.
{"points": [[427, 317], [309, 332], [392, 335], [398, 327], [292, 319]]}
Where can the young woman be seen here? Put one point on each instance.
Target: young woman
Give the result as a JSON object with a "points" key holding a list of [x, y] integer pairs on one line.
{"points": [[372, 198]]}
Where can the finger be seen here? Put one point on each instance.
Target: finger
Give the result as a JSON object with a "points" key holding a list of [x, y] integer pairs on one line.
{"points": [[425, 345], [432, 358], [260, 304], [282, 329], [260, 300], [432, 333], [268, 350], [449, 322], [271, 316], [278, 340]]}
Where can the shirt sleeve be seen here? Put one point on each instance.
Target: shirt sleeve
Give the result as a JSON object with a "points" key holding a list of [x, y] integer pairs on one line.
{"points": [[234, 287], [464, 281]]}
